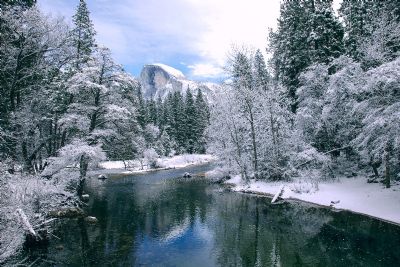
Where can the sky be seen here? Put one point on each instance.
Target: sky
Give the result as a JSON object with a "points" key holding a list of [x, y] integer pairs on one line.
{"points": [[193, 36]]}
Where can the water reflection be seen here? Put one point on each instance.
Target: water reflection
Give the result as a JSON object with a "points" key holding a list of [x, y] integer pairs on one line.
{"points": [[158, 220]]}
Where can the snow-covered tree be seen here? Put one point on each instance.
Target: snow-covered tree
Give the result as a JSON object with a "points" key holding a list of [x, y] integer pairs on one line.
{"points": [[83, 34], [308, 32], [250, 125], [378, 108]]}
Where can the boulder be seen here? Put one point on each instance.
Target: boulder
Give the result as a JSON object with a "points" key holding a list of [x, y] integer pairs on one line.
{"points": [[187, 175], [85, 197], [67, 213], [102, 177], [91, 219]]}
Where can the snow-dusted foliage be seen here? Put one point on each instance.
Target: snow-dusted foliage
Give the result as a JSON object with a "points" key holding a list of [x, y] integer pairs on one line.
{"points": [[35, 196], [352, 109], [64, 105], [383, 44], [250, 121], [151, 157], [71, 154], [379, 110]]}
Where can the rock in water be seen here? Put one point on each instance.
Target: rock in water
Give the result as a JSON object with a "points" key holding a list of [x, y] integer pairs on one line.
{"points": [[67, 213], [102, 177], [91, 219], [85, 197], [187, 175]]}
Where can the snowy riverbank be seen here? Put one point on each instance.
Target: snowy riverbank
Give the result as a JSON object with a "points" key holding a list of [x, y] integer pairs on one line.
{"points": [[179, 161], [352, 194]]}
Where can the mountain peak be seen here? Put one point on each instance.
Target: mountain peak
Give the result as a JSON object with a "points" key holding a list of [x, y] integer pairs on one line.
{"points": [[158, 80], [170, 70]]}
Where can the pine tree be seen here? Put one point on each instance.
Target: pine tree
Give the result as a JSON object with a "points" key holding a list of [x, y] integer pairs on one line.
{"points": [[357, 16], [308, 32], [201, 122], [372, 35], [83, 33], [141, 116], [168, 116], [151, 111], [160, 113], [178, 113], [22, 3], [326, 38], [261, 75], [190, 122]]}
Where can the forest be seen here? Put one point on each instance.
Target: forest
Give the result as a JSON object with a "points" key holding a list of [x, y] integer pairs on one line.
{"points": [[65, 105], [325, 104]]}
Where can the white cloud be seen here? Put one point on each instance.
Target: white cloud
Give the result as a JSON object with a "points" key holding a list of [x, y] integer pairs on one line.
{"points": [[198, 32], [206, 70], [235, 22]]}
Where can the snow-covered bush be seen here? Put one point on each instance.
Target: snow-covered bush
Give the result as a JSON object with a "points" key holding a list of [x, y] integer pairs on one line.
{"points": [[151, 157], [304, 186], [36, 197], [218, 174], [70, 157]]}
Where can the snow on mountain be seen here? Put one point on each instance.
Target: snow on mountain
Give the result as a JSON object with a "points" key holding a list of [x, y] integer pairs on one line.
{"points": [[170, 70], [160, 80]]}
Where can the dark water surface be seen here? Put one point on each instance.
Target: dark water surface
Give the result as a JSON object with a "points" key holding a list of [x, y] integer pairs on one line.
{"points": [[158, 220]]}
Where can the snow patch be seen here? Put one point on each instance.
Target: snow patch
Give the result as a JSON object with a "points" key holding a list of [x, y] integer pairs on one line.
{"points": [[179, 161], [353, 194], [170, 70]]}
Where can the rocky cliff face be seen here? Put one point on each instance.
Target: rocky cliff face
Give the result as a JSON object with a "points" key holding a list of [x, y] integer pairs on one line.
{"points": [[160, 80]]}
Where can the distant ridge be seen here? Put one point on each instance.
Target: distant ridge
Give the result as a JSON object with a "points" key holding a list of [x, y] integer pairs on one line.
{"points": [[158, 80]]}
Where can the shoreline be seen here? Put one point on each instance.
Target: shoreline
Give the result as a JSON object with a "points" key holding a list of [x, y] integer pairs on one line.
{"points": [[301, 201], [171, 163], [382, 204]]}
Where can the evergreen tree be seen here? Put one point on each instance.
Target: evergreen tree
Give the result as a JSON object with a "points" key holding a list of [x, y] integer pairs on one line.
{"points": [[83, 33], [160, 113], [261, 75], [168, 116], [372, 35], [178, 114], [151, 111], [22, 3], [141, 112], [190, 122], [201, 122], [308, 32]]}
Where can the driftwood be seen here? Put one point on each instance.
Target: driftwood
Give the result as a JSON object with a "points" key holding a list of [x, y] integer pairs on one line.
{"points": [[278, 194], [26, 224]]}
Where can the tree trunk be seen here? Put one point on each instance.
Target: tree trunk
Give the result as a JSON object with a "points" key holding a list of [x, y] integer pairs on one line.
{"points": [[26, 224], [387, 171], [388, 152], [83, 165]]}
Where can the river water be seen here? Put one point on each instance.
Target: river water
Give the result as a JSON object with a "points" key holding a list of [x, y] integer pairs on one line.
{"points": [[159, 219]]}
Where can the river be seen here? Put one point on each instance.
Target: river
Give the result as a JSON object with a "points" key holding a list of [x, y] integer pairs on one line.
{"points": [[160, 219]]}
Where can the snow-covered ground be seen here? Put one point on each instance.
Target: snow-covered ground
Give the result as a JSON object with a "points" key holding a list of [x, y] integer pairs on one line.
{"points": [[179, 161], [353, 194]]}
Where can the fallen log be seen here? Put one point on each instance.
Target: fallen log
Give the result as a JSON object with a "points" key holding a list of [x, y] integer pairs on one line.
{"points": [[26, 224], [278, 194]]}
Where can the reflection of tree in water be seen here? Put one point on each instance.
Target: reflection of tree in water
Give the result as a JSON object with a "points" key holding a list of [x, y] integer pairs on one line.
{"points": [[254, 233], [352, 240], [178, 203], [126, 214], [248, 231]]}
